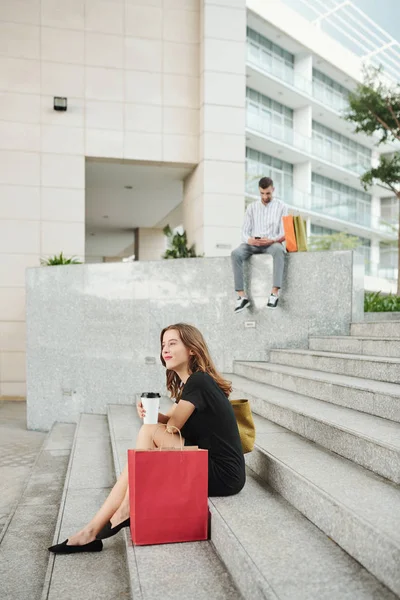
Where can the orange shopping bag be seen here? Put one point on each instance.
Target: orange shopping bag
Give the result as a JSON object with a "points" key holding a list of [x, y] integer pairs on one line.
{"points": [[290, 235]]}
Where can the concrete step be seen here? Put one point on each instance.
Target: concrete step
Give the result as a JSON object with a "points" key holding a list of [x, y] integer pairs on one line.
{"points": [[360, 511], [379, 329], [357, 345], [368, 367], [367, 440], [370, 317], [373, 397], [88, 482], [29, 530], [262, 541], [157, 571]]}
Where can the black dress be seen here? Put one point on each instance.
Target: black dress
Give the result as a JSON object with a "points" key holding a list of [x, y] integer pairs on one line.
{"points": [[213, 426]]}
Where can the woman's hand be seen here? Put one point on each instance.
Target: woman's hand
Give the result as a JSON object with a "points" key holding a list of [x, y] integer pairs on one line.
{"points": [[140, 410]]}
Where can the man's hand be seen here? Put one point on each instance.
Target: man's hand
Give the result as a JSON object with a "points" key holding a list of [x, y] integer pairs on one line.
{"points": [[254, 242], [266, 242], [261, 241]]}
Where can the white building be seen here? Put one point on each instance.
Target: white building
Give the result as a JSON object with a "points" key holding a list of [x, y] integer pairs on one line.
{"points": [[174, 109], [298, 81]]}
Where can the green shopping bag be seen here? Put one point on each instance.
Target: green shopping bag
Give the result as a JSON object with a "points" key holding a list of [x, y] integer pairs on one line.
{"points": [[300, 231]]}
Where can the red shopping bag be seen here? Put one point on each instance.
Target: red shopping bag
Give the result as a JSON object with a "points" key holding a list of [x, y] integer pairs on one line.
{"points": [[168, 491], [290, 235]]}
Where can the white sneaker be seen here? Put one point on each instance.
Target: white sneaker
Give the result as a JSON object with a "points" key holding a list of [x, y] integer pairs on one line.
{"points": [[241, 304], [273, 301]]}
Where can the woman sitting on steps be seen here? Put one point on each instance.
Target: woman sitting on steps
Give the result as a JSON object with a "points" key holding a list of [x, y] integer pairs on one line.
{"points": [[205, 417]]}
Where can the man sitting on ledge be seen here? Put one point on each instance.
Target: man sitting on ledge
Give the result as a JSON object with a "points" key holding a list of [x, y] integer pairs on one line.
{"points": [[262, 234]]}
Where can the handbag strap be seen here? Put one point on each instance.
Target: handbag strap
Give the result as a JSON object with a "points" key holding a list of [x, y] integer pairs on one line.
{"points": [[166, 431]]}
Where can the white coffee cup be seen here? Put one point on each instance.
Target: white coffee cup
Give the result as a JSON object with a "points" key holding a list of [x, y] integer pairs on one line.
{"points": [[151, 404]]}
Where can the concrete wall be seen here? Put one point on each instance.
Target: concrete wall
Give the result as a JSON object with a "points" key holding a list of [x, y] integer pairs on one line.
{"points": [[93, 331]]}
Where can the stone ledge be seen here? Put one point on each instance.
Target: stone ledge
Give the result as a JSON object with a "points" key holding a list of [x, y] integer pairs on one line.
{"points": [[93, 330]]}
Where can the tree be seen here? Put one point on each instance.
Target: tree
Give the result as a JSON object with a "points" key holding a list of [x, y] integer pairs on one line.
{"points": [[178, 245], [375, 109]]}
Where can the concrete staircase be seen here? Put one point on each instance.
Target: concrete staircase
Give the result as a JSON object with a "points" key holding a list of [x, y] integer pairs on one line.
{"points": [[328, 439], [318, 518], [30, 527]]}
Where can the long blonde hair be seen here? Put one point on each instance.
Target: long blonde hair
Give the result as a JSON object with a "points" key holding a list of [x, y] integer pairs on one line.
{"points": [[199, 361]]}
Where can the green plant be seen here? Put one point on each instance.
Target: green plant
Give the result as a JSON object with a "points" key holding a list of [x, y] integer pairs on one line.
{"points": [[177, 243], [377, 302], [59, 260], [333, 241]]}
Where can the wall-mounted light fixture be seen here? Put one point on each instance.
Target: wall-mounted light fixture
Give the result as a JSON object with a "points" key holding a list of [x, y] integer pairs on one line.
{"points": [[60, 103]]}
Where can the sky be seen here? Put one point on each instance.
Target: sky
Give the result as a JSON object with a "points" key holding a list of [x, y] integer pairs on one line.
{"points": [[385, 13]]}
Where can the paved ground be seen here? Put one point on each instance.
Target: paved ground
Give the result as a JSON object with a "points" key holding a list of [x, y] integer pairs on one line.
{"points": [[18, 451]]}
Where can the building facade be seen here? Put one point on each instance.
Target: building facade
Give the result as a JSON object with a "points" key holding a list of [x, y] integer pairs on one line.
{"points": [[297, 85], [175, 108]]}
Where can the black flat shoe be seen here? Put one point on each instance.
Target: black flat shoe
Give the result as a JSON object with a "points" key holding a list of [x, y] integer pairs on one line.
{"points": [[95, 546], [109, 531]]}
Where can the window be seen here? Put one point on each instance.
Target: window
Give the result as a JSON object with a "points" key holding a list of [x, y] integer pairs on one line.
{"points": [[269, 117], [340, 201], [269, 56]]}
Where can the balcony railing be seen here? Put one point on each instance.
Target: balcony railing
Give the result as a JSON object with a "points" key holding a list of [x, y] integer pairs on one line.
{"points": [[308, 145], [266, 61], [341, 157], [258, 56], [330, 97], [351, 210], [279, 132]]}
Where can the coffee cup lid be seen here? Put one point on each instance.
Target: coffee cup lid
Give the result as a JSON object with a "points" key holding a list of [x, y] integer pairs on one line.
{"points": [[150, 395]]}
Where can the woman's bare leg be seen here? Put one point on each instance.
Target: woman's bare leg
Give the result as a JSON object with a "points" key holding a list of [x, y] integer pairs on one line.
{"points": [[116, 506], [113, 501], [149, 436]]}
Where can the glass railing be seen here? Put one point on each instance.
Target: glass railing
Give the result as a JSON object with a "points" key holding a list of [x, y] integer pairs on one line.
{"points": [[388, 273], [263, 59], [326, 95], [287, 135], [279, 132], [391, 226], [342, 158], [351, 210]]}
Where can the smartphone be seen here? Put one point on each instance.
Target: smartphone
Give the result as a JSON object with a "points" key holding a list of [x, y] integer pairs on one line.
{"points": [[257, 238]]}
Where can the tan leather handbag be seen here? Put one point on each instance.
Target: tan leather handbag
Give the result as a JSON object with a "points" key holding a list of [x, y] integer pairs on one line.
{"points": [[245, 422]]}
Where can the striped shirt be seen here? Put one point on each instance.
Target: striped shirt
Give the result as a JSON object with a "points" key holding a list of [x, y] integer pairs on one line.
{"points": [[264, 221]]}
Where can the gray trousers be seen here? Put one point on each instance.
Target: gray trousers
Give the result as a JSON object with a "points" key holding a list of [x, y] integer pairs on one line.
{"points": [[243, 253]]}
